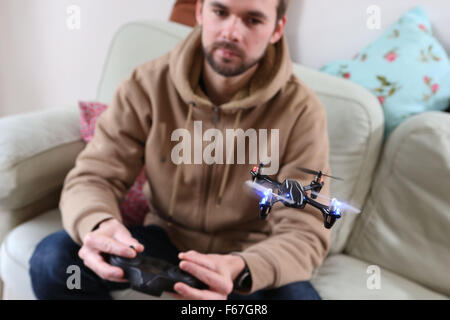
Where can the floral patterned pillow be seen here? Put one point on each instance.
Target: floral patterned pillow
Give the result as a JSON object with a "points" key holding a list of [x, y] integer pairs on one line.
{"points": [[135, 205], [406, 68]]}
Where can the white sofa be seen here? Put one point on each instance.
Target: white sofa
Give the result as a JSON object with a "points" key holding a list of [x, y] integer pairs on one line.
{"points": [[401, 186]]}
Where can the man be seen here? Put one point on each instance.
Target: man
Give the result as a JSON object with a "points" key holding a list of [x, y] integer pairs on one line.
{"points": [[233, 71]]}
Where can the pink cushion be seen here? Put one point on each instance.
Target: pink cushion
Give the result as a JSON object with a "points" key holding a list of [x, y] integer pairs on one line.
{"points": [[135, 205]]}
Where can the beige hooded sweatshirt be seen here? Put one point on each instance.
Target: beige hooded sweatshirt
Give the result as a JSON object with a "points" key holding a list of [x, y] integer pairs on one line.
{"points": [[204, 206]]}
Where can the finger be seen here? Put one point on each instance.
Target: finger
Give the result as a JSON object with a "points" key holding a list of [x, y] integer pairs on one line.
{"points": [[125, 237], [190, 293], [109, 245], [198, 258], [214, 280], [95, 262]]}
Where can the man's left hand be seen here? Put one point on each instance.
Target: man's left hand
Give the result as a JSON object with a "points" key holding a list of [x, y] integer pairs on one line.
{"points": [[217, 271]]}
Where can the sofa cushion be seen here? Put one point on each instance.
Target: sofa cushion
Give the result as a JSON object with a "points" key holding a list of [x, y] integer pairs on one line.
{"points": [[406, 68], [18, 247], [27, 143], [342, 277], [134, 44], [406, 222], [134, 206]]}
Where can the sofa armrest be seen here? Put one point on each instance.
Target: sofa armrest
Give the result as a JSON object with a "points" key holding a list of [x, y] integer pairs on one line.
{"points": [[36, 152], [406, 221]]}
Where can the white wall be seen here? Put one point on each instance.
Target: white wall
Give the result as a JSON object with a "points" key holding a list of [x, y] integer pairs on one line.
{"points": [[43, 64]]}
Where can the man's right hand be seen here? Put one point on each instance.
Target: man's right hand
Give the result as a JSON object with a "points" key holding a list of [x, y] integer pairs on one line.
{"points": [[110, 237]]}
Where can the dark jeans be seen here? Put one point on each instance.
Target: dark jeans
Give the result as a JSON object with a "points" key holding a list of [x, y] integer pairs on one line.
{"points": [[55, 253]]}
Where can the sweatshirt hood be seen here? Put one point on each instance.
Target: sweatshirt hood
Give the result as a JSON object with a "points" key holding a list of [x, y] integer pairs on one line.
{"points": [[186, 64]]}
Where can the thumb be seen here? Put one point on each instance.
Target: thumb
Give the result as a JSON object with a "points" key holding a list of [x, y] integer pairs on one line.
{"points": [[125, 237]]}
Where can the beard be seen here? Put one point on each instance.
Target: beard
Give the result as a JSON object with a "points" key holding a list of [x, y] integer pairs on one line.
{"points": [[224, 68]]}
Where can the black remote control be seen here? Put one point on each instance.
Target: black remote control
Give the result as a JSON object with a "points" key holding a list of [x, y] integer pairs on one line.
{"points": [[153, 276]]}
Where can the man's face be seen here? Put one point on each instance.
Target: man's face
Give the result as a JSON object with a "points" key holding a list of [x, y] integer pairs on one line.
{"points": [[236, 33]]}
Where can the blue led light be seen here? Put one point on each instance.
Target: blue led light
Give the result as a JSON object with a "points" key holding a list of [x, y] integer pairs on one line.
{"points": [[335, 207], [267, 194]]}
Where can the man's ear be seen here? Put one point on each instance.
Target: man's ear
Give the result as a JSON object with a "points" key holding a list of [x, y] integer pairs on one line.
{"points": [[279, 30], [198, 12]]}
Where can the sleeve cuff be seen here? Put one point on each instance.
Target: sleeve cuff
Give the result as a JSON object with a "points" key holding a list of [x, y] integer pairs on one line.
{"points": [[261, 271]]}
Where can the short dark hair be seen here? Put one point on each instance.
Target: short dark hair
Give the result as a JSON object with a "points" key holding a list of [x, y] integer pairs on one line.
{"points": [[282, 8]]}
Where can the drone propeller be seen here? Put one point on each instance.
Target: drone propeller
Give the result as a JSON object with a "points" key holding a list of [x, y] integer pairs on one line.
{"points": [[342, 205], [317, 172], [258, 187]]}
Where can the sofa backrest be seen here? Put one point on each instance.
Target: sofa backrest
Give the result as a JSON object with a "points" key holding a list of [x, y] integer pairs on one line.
{"points": [[355, 118], [134, 44], [355, 126], [406, 221]]}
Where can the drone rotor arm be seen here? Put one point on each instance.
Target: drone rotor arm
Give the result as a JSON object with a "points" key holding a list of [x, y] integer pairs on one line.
{"points": [[316, 204], [329, 217], [274, 183]]}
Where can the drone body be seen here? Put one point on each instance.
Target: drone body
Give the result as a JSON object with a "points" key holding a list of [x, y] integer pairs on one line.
{"points": [[293, 195]]}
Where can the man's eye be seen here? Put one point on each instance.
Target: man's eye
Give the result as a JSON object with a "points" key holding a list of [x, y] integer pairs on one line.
{"points": [[254, 21], [219, 13]]}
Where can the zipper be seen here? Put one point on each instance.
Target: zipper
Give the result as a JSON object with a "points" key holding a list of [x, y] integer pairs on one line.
{"points": [[207, 182], [206, 198], [216, 116]]}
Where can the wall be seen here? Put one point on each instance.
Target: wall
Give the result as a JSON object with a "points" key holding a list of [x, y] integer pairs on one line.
{"points": [[44, 64]]}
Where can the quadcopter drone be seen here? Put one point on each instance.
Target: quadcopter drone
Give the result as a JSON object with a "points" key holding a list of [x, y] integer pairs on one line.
{"points": [[293, 195]]}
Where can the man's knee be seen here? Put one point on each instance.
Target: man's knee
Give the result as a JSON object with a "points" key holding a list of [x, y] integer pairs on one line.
{"points": [[55, 249], [50, 260]]}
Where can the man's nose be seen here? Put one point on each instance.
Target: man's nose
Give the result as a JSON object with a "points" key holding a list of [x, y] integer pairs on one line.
{"points": [[232, 30]]}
